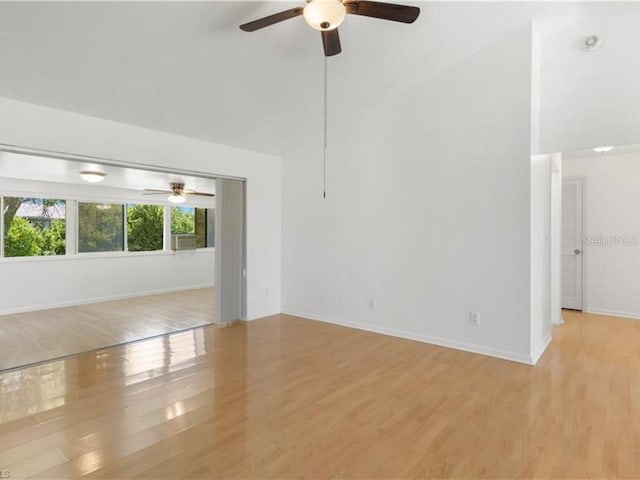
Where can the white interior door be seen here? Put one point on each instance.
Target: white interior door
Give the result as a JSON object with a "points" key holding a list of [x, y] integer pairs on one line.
{"points": [[572, 253]]}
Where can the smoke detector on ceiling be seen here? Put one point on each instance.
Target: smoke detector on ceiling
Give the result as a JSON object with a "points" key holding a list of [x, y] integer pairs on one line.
{"points": [[592, 42]]}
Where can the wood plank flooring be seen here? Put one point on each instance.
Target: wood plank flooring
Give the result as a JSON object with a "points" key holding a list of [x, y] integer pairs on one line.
{"points": [[284, 397], [32, 337]]}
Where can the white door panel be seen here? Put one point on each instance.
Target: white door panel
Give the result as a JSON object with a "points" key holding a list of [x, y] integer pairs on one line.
{"points": [[230, 262], [572, 252]]}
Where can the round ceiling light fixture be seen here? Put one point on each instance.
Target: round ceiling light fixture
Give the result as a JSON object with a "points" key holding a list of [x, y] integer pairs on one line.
{"points": [[591, 42], [603, 149], [90, 176], [324, 15]]}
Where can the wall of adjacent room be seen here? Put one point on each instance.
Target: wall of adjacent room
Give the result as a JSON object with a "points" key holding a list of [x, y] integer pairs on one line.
{"points": [[34, 126], [34, 283], [37, 283]]}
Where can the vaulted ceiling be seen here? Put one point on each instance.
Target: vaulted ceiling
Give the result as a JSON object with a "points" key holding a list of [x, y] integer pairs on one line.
{"points": [[186, 68]]}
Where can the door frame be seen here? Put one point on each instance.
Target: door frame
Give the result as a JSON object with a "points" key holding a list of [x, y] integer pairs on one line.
{"points": [[583, 180]]}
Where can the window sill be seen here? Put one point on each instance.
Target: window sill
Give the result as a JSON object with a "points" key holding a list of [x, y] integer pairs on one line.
{"points": [[102, 255]]}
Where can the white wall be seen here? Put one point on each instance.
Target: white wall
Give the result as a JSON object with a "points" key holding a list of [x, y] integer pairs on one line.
{"points": [[428, 209], [34, 284], [611, 200], [39, 127], [555, 253], [591, 98], [540, 254]]}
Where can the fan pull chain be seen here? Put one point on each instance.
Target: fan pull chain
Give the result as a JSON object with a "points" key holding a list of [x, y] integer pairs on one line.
{"points": [[325, 143]]}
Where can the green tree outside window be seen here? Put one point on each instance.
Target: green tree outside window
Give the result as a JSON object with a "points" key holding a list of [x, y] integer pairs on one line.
{"points": [[38, 229], [144, 227], [100, 227]]}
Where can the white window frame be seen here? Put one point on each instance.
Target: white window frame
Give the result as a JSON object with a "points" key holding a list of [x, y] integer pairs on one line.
{"points": [[33, 257], [165, 246], [73, 224], [124, 226], [206, 233]]}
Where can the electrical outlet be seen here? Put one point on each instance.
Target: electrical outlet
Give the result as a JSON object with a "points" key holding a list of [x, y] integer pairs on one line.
{"points": [[474, 318], [372, 303]]}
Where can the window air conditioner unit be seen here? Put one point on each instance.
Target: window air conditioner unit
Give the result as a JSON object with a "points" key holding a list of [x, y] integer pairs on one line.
{"points": [[183, 242]]}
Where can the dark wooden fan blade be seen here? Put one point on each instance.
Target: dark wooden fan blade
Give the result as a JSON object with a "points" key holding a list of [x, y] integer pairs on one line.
{"points": [[271, 19], [385, 11], [200, 194], [331, 42]]}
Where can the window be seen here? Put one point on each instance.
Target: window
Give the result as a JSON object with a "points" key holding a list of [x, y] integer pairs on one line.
{"points": [[198, 221], [100, 227], [34, 227], [201, 227], [182, 220], [38, 226], [144, 228], [211, 227]]}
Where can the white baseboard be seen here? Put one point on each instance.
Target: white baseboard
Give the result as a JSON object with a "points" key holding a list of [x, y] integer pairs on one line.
{"points": [[614, 313], [541, 349], [108, 298], [442, 342]]}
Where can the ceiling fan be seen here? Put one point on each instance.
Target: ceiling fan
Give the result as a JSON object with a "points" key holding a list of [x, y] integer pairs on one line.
{"points": [[327, 15], [177, 194]]}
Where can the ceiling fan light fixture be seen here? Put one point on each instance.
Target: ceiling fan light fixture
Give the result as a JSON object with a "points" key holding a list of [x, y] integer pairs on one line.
{"points": [[92, 176], [603, 149], [324, 15], [176, 198]]}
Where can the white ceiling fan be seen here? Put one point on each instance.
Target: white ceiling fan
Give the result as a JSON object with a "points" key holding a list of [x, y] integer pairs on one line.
{"points": [[177, 192]]}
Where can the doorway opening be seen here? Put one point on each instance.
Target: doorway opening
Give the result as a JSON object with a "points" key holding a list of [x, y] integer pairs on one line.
{"points": [[102, 252], [600, 238]]}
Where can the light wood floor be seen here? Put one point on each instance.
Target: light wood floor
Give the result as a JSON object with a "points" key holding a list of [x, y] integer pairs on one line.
{"points": [[284, 397], [32, 337]]}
